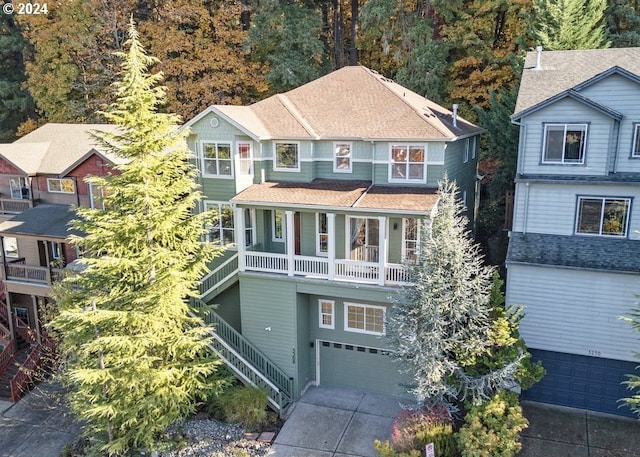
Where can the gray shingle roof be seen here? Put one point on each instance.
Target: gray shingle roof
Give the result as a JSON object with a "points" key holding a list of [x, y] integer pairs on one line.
{"points": [[53, 148], [51, 221], [564, 70], [590, 252], [613, 178]]}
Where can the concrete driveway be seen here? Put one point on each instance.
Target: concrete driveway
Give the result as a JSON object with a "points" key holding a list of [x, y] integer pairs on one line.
{"points": [[329, 422]]}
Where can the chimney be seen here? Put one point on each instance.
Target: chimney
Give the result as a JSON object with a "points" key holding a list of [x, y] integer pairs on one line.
{"points": [[538, 56], [455, 115]]}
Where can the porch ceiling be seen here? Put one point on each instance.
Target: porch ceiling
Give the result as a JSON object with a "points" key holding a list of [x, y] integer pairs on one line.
{"points": [[339, 194]]}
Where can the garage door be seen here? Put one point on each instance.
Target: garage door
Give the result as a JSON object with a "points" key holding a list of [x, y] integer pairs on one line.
{"points": [[359, 367], [582, 382]]}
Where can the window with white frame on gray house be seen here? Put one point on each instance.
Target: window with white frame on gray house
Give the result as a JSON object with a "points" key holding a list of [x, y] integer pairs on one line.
{"points": [[342, 157], [10, 247], [407, 163], [216, 159], [603, 216], [221, 229], [326, 313], [286, 157], [364, 318], [636, 141], [363, 239], [564, 143]]}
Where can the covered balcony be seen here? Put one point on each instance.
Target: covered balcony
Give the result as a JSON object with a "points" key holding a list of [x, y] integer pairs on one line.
{"points": [[334, 230]]}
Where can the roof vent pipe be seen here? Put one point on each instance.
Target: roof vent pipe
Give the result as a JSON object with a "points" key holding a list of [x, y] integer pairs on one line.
{"points": [[538, 56], [455, 115]]}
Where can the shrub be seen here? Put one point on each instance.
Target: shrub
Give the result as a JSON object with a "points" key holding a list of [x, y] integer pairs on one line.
{"points": [[385, 449], [413, 429], [244, 404], [493, 428]]}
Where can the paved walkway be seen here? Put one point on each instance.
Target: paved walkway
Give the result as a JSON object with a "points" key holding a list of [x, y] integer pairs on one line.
{"points": [[329, 422]]}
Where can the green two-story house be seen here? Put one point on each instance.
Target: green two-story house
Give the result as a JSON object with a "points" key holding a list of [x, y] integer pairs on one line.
{"points": [[320, 192]]}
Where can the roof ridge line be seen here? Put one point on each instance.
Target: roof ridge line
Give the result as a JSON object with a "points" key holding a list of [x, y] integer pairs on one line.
{"points": [[289, 105], [379, 78]]}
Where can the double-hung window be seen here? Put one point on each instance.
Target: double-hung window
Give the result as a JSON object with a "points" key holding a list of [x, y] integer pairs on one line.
{"points": [[326, 313], [603, 216], [407, 163], [220, 230], [364, 318], [216, 159], [564, 143], [635, 152], [10, 247], [96, 196], [287, 157], [322, 235], [63, 186], [342, 157]]}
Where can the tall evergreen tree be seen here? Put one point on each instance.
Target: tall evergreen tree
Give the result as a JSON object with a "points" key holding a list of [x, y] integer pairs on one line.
{"points": [[288, 36], [135, 360], [16, 105], [441, 326], [623, 23], [570, 24]]}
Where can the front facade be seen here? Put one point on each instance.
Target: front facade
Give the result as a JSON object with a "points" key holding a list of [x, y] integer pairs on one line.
{"points": [[574, 251], [41, 178], [320, 192]]}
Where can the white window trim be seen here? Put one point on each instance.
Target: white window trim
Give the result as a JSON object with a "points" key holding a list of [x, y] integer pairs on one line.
{"points": [[204, 159], [318, 252], [563, 161], [467, 146], [604, 199], [473, 147], [275, 156], [333, 314], [636, 131], [357, 330], [220, 205], [26, 184], [93, 190], [349, 156], [49, 180], [347, 235], [240, 159], [408, 146], [404, 237], [17, 255], [273, 226], [252, 215]]}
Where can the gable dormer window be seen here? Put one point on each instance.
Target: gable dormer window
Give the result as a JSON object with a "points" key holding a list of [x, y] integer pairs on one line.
{"points": [[564, 143]]}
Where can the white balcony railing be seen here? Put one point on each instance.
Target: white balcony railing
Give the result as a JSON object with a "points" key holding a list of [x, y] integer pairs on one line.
{"points": [[319, 268]]}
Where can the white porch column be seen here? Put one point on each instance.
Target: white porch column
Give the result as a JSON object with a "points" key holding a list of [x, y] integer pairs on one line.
{"points": [[239, 228], [290, 242], [382, 249], [331, 244]]}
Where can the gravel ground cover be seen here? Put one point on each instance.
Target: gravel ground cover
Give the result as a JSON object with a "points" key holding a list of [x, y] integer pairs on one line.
{"points": [[211, 438]]}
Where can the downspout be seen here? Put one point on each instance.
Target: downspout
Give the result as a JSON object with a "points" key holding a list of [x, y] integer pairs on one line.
{"points": [[616, 143], [526, 209]]}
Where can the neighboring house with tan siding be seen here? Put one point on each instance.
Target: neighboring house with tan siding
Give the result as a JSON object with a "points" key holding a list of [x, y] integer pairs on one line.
{"points": [[574, 253], [41, 178]]}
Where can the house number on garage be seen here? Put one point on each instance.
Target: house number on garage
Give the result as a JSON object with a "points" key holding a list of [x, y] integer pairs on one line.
{"points": [[595, 353]]}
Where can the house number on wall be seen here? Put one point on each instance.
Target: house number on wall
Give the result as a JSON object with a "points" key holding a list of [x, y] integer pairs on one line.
{"points": [[594, 353]]}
